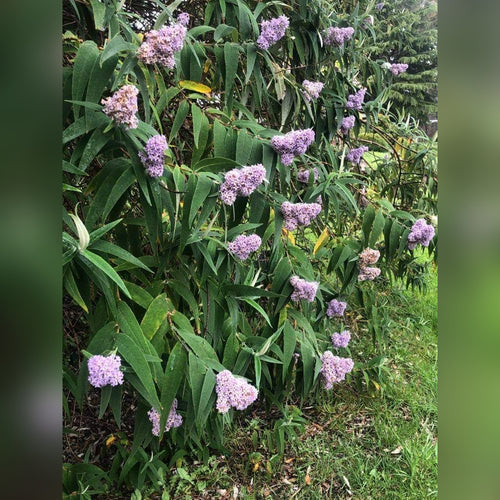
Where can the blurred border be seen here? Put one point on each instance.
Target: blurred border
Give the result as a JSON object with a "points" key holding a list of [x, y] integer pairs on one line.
{"points": [[30, 252]]}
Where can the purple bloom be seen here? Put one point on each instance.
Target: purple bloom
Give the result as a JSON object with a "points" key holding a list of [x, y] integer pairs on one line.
{"points": [[336, 308], [183, 18], [368, 257], [368, 273], [299, 214], [312, 89], [422, 233], [379, 6], [173, 419], [160, 46], [122, 106], [356, 154], [153, 154], [347, 124], [355, 101], [271, 31], [242, 182], [105, 370], [292, 144], [368, 20], [243, 246], [334, 369], [303, 289], [338, 36], [233, 392], [341, 339], [398, 68], [303, 175]]}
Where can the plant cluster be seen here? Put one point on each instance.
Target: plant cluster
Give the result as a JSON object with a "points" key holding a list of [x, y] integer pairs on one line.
{"points": [[208, 264]]}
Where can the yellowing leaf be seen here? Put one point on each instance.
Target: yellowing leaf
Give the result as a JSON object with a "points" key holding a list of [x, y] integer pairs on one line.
{"points": [[207, 64], [196, 86], [110, 440], [289, 235], [256, 466], [321, 240]]}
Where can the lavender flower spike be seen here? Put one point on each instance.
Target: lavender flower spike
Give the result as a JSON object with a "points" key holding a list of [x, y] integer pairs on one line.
{"points": [[303, 289], [173, 419], [356, 154], [347, 124], [272, 31], [368, 273], [105, 370], [341, 339], [422, 233], [241, 182], [153, 155], [312, 89], [243, 246], [299, 214], [303, 175], [122, 106], [398, 68], [336, 308], [368, 257], [292, 144], [334, 369], [233, 392], [338, 36], [355, 101]]}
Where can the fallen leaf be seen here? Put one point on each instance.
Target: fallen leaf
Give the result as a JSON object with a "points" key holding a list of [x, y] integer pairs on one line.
{"points": [[110, 440], [308, 477], [397, 451]]}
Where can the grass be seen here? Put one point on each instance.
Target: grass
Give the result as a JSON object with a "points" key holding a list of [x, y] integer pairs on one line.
{"points": [[352, 445]]}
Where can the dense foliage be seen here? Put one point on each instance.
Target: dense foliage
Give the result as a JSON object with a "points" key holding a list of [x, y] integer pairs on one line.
{"points": [[184, 317]]}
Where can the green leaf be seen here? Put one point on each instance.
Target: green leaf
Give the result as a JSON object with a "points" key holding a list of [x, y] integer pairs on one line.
{"points": [[116, 45], [231, 350], [85, 59], [378, 226], [95, 235], [179, 119], [134, 356], [289, 341], [202, 190], [99, 12], [126, 179], [112, 249], [138, 294], [259, 309], [155, 315], [231, 56], [174, 375], [197, 115], [247, 291], [71, 287], [102, 265], [223, 30], [96, 142]]}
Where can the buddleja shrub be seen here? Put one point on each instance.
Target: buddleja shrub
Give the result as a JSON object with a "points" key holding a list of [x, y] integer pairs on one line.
{"points": [[218, 218]]}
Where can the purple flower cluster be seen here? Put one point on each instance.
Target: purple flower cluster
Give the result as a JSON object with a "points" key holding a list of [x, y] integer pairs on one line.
{"points": [[122, 106], [271, 31], [243, 182], [303, 289], [303, 175], [292, 144], [347, 124], [356, 154], [336, 308], [183, 18], [398, 68], [422, 233], [160, 46], [341, 339], [312, 89], [368, 257], [338, 36], [105, 370], [233, 392], [368, 273], [299, 214], [334, 369], [153, 155], [173, 419], [379, 6], [243, 245], [355, 101]]}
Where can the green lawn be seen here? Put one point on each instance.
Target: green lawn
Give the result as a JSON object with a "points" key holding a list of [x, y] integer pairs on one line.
{"points": [[352, 446]]}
